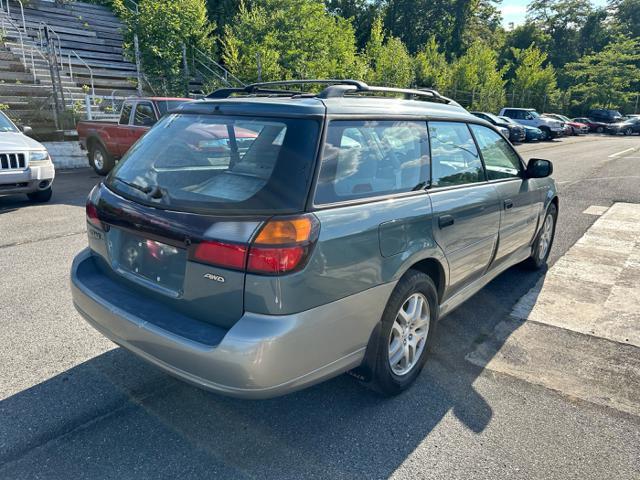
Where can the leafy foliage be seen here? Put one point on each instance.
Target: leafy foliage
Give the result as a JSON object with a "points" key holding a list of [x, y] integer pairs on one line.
{"points": [[388, 60], [534, 83], [604, 78], [163, 27], [285, 39]]}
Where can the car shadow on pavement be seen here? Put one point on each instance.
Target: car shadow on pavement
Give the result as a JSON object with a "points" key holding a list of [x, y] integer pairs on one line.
{"points": [[116, 416]]}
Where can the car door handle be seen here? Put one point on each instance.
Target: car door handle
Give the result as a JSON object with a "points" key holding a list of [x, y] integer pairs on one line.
{"points": [[508, 204], [445, 221]]}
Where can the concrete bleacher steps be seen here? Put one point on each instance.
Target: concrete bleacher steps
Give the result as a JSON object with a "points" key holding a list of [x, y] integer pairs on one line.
{"points": [[89, 31]]}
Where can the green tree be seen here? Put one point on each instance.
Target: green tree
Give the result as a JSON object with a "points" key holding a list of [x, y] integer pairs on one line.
{"points": [[431, 67], [163, 26], [388, 60], [286, 39], [534, 83], [361, 13], [626, 16], [476, 79], [607, 78]]}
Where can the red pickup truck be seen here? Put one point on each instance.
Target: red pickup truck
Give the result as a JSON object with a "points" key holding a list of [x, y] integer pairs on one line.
{"points": [[107, 141]]}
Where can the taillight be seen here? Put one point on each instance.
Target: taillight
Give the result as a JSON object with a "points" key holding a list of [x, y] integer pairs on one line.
{"points": [[282, 245], [228, 255], [92, 215]]}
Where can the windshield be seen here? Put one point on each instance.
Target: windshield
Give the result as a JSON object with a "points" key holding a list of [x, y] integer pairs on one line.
{"points": [[508, 120], [165, 106], [495, 118], [534, 114], [6, 125], [207, 163]]}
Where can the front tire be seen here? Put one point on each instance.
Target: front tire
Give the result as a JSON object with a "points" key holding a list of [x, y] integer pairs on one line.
{"points": [[101, 161], [628, 131], [599, 129], [41, 196], [544, 240], [407, 327], [546, 134]]}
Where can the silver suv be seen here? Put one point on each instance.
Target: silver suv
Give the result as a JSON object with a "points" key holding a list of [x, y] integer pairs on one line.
{"points": [[25, 165], [264, 240]]}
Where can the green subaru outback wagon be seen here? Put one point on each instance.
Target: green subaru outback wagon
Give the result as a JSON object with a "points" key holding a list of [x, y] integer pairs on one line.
{"points": [[267, 238]]}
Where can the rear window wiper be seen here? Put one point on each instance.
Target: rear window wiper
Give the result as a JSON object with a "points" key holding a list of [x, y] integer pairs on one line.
{"points": [[146, 190]]}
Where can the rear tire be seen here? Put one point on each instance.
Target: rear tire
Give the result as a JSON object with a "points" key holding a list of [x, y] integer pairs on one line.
{"points": [[544, 240], [599, 129], [41, 196], [405, 333], [101, 161]]}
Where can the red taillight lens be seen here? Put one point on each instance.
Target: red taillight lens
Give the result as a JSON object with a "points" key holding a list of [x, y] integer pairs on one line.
{"points": [[228, 255], [92, 215], [275, 260], [283, 245]]}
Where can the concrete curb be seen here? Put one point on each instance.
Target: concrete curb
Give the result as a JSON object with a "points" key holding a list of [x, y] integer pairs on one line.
{"points": [[67, 154]]}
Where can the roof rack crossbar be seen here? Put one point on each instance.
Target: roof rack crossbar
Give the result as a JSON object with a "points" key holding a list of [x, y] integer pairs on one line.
{"points": [[227, 92], [335, 88]]}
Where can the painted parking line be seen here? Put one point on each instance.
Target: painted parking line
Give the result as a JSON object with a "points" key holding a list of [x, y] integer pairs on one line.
{"points": [[617, 154], [578, 330]]}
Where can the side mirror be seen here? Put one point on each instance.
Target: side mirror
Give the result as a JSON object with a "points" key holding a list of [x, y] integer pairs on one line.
{"points": [[539, 168], [26, 130]]}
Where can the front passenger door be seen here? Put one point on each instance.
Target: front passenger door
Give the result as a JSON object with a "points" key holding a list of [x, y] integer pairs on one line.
{"points": [[520, 201]]}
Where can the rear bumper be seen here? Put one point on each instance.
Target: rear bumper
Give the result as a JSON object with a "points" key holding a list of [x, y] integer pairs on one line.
{"points": [[261, 356], [26, 181]]}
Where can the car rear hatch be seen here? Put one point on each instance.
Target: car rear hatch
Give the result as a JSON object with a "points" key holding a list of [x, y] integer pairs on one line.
{"points": [[177, 219]]}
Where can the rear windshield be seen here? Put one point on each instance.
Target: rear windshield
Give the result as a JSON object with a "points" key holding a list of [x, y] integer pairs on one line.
{"points": [[208, 163]]}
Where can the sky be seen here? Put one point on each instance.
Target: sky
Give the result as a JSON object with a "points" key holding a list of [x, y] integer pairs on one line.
{"points": [[515, 10]]}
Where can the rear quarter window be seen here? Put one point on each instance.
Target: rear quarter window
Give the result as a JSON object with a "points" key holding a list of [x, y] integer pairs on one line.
{"points": [[369, 158]]}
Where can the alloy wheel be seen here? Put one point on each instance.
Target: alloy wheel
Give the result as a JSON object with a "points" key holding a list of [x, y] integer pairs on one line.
{"points": [[408, 335], [546, 235]]}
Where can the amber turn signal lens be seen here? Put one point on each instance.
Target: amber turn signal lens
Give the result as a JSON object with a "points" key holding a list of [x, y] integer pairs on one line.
{"points": [[279, 232]]}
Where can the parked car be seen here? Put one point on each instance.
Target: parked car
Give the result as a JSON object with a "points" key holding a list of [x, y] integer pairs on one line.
{"points": [[515, 130], [626, 127], [532, 134], [575, 128], [605, 115], [25, 165], [593, 126], [106, 141], [528, 116], [335, 242]]}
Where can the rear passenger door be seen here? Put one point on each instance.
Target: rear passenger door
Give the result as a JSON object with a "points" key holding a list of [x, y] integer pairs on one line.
{"points": [[466, 208], [520, 201]]}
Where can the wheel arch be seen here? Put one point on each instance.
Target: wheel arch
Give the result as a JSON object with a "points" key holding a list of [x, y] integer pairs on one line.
{"points": [[435, 270]]}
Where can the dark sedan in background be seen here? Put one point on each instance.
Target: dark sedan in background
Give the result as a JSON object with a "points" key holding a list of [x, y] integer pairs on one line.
{"points": [[532, 134], [516, 131], [626, 127]]}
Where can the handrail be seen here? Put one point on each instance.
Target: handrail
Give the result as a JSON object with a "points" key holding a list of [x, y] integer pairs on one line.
{"points": [[227, 73], [42, 26], [17, 28], [93, 90], [24, 24]]}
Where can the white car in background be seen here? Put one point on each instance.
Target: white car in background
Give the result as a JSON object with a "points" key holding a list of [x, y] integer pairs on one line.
{"points": [[551, 128], [25, 165]]}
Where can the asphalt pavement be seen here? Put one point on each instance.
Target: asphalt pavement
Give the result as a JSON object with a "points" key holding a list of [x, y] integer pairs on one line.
{"points": [[74, 405]]}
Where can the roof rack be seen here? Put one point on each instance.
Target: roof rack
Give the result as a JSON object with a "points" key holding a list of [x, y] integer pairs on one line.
{"points": [[335, 88]]}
